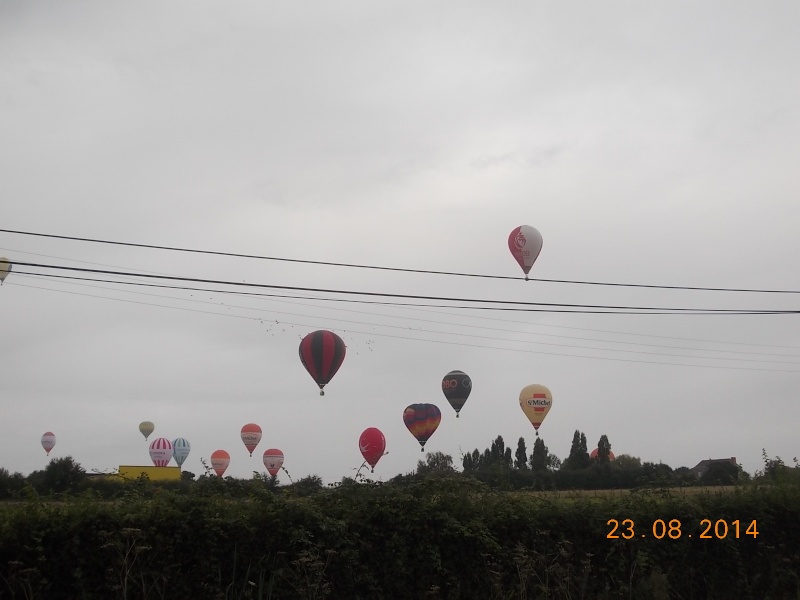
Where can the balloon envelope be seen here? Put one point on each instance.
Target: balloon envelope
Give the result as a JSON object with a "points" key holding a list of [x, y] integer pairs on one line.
{"points": [[48, 441], [251, 435], [273, 460], [322, 353], [456, 386], [422, 420], [372, 445], [5, 268], [593, 454], [180, 450], [146, 428], [161, 452], [535, 401], [525, 243], [220, 461]]}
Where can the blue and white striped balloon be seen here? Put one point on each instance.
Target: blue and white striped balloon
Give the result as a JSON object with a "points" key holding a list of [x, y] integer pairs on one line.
{"points": [[181, 450]]}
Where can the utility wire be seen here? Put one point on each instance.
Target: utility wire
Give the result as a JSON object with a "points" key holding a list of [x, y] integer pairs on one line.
{"points": [[283, 299], [495, 338], [395, 269], [643, 310], [438, 341], [418, 308]]}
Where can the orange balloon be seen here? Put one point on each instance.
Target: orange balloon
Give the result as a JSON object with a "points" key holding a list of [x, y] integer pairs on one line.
{"points": [[220, 461], [251, 435], [535, 401]]}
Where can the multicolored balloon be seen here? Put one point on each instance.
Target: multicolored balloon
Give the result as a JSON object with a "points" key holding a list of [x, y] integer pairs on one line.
{"points": [[525, 243], [161, 452], [535, 401], [372, 445], [180, 450], [5, 268], [273, 461], [322, 353], [251, 435], [146, 428], [220, 461], [422, 420], [456, 386], [48, 441]]}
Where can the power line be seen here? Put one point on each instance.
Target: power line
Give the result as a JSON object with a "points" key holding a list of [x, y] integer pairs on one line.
{"points": [[504, 303], [419, 308], [494, 338], [394, 269], [285, 300], [372, 333]]}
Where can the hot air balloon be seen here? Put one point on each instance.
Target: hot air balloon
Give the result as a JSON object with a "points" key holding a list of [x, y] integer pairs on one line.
{"points": [[535, 401], [593, 454], [372, 444], [525, 243], [146, 428], [220, 461], [422, 420], [322, 353], [456, 386], [5, 268], [161, 452], [273, 461], [251, 435], [48, 441], [180, 450]]}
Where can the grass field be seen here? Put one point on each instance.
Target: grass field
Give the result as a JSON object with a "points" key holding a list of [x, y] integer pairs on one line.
{"points": [[672, 491]]}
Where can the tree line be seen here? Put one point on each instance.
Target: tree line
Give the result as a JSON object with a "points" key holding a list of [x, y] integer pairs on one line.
{"points": [[502, 468], [497, 466]]}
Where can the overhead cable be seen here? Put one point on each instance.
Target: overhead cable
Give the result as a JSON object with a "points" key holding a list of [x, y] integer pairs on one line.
{"points": [[395, 269], [505, 304]]}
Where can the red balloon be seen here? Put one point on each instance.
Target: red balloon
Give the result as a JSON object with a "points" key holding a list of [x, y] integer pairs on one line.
{"points": [[251, 435], [372, 444], [322, 353], [220, 460], [273, 460]]}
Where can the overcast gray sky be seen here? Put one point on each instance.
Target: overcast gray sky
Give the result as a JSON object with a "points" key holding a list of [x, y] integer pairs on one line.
{"points": [[649, 143]]}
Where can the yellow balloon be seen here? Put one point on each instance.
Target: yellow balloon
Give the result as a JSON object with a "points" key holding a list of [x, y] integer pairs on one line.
{"points": [[146, 427], [535, 401]]}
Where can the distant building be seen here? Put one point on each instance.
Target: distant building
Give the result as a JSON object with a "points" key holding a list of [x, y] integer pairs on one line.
{"points": [[131, 473], [704, 465]]}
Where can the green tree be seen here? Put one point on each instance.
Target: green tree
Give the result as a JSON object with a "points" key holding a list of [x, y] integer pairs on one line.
{"points": [[10, 485], [436, 463], [498, 454], [540, 457], [627, 462], [603, 450], [61, 475], [521, 456], [578, 454]]}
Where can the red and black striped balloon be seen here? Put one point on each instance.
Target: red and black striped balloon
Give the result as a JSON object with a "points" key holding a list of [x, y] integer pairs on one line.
{"points": [[322, 353]]}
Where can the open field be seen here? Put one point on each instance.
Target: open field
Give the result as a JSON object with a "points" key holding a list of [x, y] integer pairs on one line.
{"points": [[668, 492], [438, 538]]}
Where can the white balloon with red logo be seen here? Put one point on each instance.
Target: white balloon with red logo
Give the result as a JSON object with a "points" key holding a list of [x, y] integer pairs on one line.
{"points": [[525, 243], [161, 452]]}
